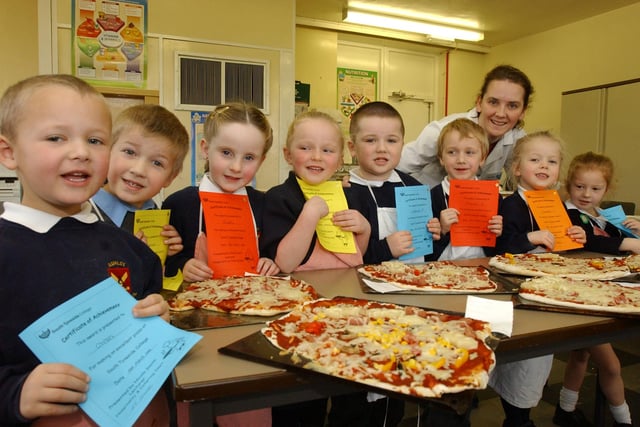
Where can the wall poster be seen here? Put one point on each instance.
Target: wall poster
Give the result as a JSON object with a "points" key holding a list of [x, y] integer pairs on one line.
{"points": [[108, 42], [355, 87]]}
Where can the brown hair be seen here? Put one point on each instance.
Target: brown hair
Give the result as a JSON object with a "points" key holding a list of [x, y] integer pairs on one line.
{"points": [[467, 129], [158, 121], [514, 75], [590, 161], [519, 148], [238, 112], [373, 109], [313, 115], [16, 96]]}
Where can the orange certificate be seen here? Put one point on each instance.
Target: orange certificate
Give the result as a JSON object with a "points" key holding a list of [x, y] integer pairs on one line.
{"points": [[476, 201], [550, 214], [232, 247]]}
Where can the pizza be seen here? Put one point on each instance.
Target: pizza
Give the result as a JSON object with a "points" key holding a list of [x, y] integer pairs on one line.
{"points": [[633, 262], [251, 295], [433, 276], [407, 350], [550, 264], [583, 294]]}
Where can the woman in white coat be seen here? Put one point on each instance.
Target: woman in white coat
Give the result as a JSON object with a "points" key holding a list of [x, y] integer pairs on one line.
{"points": [[500, 109]]}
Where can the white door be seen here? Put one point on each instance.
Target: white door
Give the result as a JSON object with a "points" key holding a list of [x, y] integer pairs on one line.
{"points": [[410, 84]]}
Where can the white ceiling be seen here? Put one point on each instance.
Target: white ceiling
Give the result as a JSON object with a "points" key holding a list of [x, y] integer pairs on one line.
{"points": [[501, 20]]}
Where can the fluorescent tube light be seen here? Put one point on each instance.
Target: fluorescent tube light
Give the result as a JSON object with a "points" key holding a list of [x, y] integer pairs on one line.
{"points": [[434, 30]]}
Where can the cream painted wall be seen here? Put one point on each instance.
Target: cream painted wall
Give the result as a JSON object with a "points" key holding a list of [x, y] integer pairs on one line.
{"points": [[466, 72], [316, 62], [19, 43], [591, 52]]}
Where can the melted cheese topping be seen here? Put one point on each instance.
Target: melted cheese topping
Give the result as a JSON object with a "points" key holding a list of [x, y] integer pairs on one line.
{"points": [[258, 295], [550, 264], [584, 294], [433, 276]]}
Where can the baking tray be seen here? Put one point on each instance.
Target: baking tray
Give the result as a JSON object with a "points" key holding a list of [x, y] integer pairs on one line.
{"points": [[507, 284], [193, 320], [535, 305], [257, 348]]}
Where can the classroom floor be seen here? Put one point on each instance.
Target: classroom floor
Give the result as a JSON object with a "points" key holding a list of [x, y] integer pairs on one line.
{"points": [[489, 412]]}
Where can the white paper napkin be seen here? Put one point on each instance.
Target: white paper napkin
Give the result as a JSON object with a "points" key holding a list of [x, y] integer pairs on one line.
{"points": [[499, 314], [382, 287]]}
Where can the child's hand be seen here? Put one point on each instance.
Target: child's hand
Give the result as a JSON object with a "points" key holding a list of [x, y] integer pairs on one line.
{"points": [[196, 270], [448, 217], [495, 225], [172, 239], [630, 244], [433, 226], [351, 220], [315, 206], [400, 243], [632, 224], [542, 238], [53, 389], [267, 267], [345, 181], [577, 234], [152, 305], [140, 235]]}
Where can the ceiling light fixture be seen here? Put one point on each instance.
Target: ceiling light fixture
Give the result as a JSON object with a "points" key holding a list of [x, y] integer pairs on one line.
{"points": [[437, 31]]}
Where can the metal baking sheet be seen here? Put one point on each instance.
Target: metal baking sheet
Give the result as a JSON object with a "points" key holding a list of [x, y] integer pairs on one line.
{"points": [[507, 284], [257, 348], [535, 305], [204, 319]]}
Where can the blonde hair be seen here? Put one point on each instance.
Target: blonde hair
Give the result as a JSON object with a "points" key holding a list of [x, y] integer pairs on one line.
{"points": [[314, 115], [16, 96], [519, 148], [590, 161], [467, 129], [157, 121]]}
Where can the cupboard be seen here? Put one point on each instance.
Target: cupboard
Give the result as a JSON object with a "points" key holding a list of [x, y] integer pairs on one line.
{"points": [[606, 119]]}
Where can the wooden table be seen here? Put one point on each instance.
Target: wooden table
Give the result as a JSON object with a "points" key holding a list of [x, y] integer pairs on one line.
{"points": [[216, 384]]}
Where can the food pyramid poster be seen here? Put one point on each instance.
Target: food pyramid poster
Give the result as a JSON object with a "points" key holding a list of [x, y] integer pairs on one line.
{"points": [[108, 42]]}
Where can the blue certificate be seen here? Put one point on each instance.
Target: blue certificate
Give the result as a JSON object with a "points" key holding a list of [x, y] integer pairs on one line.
{"points": [[615, 215], [127, 358], [413, 207]]}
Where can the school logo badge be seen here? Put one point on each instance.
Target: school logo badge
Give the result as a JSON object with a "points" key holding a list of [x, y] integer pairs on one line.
{"points": [[122, 276]]}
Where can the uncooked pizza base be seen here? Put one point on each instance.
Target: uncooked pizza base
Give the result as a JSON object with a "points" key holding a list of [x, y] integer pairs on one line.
{"points": [[440, 276], [250, 295], [551, 264], [407, 350], [594, 295]]}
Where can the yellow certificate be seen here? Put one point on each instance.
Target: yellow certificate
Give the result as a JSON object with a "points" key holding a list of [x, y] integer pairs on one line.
{"points": [[150, 222], [331, 238]]}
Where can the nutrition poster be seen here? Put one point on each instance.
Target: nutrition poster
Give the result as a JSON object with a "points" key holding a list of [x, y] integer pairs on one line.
{"points": [[355, 87], [108, 42]]}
